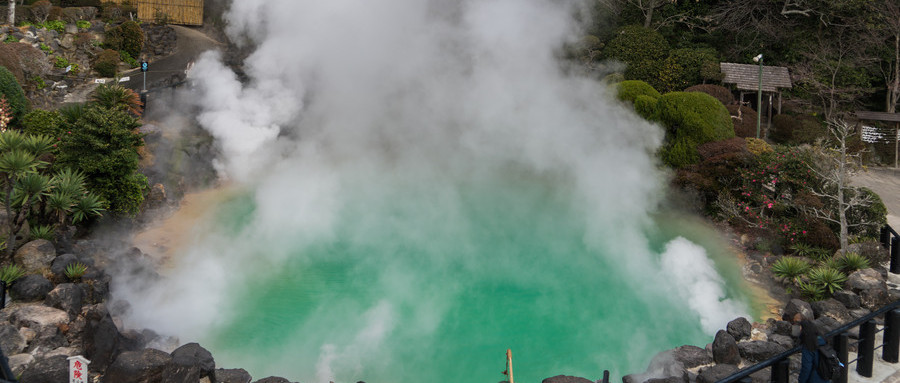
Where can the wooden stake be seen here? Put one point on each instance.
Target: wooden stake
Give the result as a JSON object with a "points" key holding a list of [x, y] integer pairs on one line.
{"points": [[509, 365]]}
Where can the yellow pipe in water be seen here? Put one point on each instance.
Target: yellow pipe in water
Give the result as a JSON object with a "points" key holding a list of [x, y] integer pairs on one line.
{"points": [[509, 365]]}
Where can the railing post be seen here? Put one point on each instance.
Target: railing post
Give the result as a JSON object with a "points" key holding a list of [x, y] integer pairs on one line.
{"points": [[895, 255], [885, 237], [605, 376], [2, 294], [866, 353], [840, 347], [781, 371], [890, 350]]}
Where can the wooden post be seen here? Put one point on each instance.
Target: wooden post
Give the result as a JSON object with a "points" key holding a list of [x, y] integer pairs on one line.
{"points": [[509, 365], [896, 143]]}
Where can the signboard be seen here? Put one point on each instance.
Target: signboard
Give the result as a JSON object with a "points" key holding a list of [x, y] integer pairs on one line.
{"points": [[144, 66], [100, 81], [126, 78], [68, 69], [78, 369]]}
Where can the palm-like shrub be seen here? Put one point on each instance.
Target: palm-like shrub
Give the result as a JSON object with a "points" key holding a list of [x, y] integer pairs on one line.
{"points": [[10, 273], [115, 96], [790, 268], [75, 271], [851, 262], [91, 205], [72, 112], [811, 291], [42, 232], [829, 279]]}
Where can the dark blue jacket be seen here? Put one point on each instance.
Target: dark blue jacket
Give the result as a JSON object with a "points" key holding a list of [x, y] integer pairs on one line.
{"points": [[808, 364]]}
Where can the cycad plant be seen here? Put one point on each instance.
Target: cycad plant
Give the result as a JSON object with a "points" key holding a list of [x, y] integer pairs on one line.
{"points": [[790, 268], [10, 273], [811, 291], [829, 279], [75, 271], [117, 96], [42, 232], [851, 262]]}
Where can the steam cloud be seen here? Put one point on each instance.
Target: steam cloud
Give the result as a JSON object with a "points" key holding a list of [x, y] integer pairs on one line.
{"points": [[347, 95]]}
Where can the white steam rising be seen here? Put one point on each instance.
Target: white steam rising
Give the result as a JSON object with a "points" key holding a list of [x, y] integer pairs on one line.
{"points": [[344, 95]]}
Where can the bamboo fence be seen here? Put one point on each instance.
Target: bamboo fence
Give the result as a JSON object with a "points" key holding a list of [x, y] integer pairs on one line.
{"points": [[184, 12]]}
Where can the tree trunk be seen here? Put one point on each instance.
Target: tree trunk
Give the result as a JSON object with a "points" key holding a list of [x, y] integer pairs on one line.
{"points": [[648, 15], [893, 93], [11, 237], [841, 184], [12, 13]]}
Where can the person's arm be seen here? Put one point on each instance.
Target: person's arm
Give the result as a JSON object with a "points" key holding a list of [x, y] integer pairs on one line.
{"points": [[806, 366]]}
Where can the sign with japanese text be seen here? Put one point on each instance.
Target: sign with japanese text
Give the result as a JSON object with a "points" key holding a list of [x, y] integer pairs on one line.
{"points": [[78, 369]]}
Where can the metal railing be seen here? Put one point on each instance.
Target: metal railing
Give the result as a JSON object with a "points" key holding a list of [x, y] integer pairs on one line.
{"points": [[865, 348], [891, 240]]}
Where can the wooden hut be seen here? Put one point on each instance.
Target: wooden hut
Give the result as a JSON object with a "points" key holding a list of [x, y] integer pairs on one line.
{"points": [[184, 12], [746, 79]]}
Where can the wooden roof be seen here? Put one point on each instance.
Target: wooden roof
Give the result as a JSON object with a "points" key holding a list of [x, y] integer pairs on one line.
{"points": [[878, 116], [746, 76]]}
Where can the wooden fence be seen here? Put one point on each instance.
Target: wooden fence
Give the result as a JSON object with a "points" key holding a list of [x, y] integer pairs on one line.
{"points": [[185, 12]]}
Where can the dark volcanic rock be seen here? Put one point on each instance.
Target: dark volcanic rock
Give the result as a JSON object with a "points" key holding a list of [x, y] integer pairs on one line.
{"points": [[848, 299], [758, 351], [566, 379], [195, 356], [59, 264], [54, 369], [101, 338], [11, 342], [826, 324], [795, 307], [233, 375], [831, 308], [145, 366], [273, 379], [782, 328], [782, 340], [739, 328], [874, 299], [725, 350], [692, 356], [715, 373], [30, 288], [670, 379], [67, 297]]}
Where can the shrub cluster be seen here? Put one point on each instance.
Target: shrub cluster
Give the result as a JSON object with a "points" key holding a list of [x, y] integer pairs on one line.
{"points": [[721, 93], [107, 63], [127, 37], [744, 119], [12, 91]]}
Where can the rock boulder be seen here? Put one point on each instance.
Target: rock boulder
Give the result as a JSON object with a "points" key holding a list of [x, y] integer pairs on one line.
{"points": [[739, 328], [234, 375], [865, 279], [797, 310], [67, 297], [35, 256], [831, 308], [716, 373], [725, 349], [757, 351], [564, 379], [47, 370], [30, 288], [145, 366]]}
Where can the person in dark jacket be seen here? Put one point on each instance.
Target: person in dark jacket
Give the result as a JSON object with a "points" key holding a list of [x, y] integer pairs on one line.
{"points": [[810, 341]]}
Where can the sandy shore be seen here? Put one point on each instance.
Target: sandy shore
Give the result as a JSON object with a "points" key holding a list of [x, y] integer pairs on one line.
{"points": [[178, 229]]}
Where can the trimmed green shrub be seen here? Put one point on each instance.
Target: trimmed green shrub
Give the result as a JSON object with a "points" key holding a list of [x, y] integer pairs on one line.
{"points": [[680, 153], [876, 214], [698, 65], [11, 89], [127, 37], [642, 49], [695, 115], [629, 90], [645, 106], [107, 63], [721, 93], [758, 146], [46, 122], [671, 76]]}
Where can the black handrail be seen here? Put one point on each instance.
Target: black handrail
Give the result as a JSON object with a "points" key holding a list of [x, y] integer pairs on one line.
{"points": [[771, 361]]}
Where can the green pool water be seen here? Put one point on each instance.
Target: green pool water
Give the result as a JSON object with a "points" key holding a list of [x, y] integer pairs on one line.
{"points": [[419, 282]]}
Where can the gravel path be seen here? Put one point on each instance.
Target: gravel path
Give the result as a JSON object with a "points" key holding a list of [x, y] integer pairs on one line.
{"points": [[885, 182]]}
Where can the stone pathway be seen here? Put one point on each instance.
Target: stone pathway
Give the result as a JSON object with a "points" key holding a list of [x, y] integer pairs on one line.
{"points": [[885, 182]]}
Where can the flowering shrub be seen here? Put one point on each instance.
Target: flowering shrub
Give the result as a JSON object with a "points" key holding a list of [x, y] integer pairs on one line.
{"points": [[5, 114]]}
